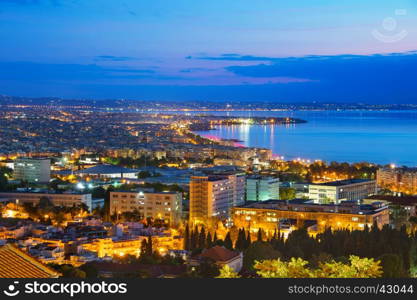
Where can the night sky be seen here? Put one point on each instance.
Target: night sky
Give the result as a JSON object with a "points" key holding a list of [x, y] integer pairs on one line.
{"points": [[284, 51]]}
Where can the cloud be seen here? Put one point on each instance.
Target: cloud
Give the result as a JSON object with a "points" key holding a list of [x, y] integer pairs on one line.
{"points": [[233, 57], [31, 71], [377, 67], [113, 58], [193, 70], [378, 78]]}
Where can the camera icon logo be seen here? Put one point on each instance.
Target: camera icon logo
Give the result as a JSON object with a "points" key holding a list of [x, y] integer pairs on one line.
{"points": [[11, 290], [389, 25]]}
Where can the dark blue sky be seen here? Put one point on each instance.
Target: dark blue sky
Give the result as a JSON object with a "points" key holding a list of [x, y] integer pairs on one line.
{"points": [[285, 51]]}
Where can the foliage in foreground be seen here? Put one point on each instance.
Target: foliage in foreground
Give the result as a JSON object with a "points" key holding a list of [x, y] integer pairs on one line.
{"points": [[297, 268]]}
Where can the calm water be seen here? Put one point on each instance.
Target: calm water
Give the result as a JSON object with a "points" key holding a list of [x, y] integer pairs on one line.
{"points": [[352, 136]]}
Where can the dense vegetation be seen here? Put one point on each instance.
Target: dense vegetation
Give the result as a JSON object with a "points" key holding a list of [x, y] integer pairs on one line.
{"points": [[396, 249]]}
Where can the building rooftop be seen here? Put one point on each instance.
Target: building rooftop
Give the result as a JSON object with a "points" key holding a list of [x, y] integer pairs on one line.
{"points": [[401, 200], [14, 263], [305, 205], [219, 254], [343, 182], [106, 169]]}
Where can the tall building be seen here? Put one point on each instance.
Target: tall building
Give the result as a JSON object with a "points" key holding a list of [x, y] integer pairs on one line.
{"points": [[32, 169], [342, 190], [164, 205], [260, 188], [403, 180], [213, 196]]}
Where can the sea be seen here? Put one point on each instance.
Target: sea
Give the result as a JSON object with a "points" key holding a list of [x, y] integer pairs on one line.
{"points": [[380, 137]]}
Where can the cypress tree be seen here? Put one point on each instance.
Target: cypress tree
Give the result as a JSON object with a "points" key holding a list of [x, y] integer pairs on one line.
{"points": [[194, 239], [209, 241], [149, 248], [248, 240], [143, 247], [202, 239], [260, 237], [228, 241], [187, 241], [215, 239], [240, 242]]}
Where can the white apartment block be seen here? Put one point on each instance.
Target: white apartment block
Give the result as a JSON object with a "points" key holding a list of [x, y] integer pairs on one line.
{"points": [[343, 190], [32, 169]]}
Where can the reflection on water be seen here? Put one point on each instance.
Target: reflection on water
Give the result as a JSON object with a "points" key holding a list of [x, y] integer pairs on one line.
{"points": [[379, 137]]}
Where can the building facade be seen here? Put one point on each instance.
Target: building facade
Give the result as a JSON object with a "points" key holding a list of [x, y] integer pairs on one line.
{"points": [[343, 190], [63, 199], [165, 206], [213, 196], [260, 188], [271, 215], [32, 169], [402, 180]]}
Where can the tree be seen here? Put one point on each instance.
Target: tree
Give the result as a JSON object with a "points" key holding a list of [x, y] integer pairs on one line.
{"points": [[228, 272], [202, 239], [248, 241], [297, 268], [355, 268], [228, 242], [209, 241], [187, 241], [260, 238], [258, 251], [143, 247], [241, 240], [286, 193], [208, 269], [5, 173], [149, 248], [194, 239], [392, 266], [98, 192]]}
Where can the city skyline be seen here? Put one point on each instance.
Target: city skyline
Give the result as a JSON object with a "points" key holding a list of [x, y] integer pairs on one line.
{"points": [[303, 52]]}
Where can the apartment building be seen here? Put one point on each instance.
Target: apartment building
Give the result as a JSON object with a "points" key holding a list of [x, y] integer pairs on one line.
{"points": [[277, 214], [213, 196], [342, 190], [402, 180], [32, 169], [259, 188], [166, 206], [57, 199]]}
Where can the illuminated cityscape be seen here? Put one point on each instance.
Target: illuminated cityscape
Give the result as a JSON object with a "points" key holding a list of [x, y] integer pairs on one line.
{"points": [[86, 191], [207, 139]]}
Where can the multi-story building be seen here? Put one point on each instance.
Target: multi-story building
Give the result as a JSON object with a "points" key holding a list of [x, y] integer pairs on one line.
{"points": [[57, 199], [342, 190], [109, 247], [166, 206], [260, 188], [276, 214], [213, 196], [32, 169], [403, 180]]}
